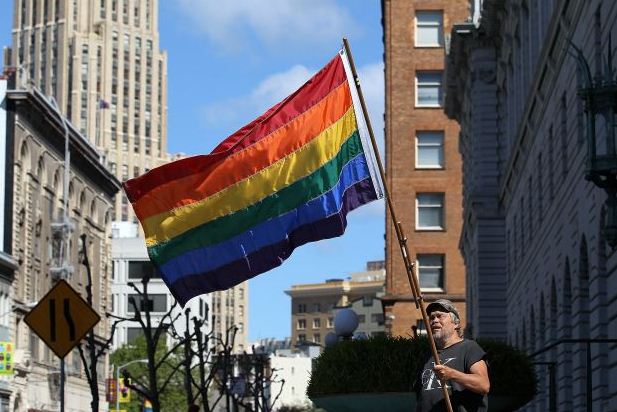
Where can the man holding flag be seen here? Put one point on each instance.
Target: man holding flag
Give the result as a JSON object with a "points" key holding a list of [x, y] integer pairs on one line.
{"points": [[463, 369], [285, 179]]}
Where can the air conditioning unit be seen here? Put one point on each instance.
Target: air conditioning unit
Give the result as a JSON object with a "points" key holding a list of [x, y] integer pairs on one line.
{"points": [[22, 358], [63, 272]]}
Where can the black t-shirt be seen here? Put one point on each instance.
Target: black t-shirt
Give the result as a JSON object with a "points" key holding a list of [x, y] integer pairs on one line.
{"points": [[460, 356]]}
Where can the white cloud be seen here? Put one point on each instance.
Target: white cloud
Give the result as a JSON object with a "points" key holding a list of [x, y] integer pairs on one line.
{"points": [[277, 24], [372, 84], [235, 112]]}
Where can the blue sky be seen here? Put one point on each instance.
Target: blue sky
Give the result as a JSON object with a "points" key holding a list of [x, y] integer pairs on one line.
{"points": [[227, 63]]}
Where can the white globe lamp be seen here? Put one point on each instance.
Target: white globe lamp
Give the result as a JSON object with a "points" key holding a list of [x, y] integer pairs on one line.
{"points": [[331, 339], [345, 323]]}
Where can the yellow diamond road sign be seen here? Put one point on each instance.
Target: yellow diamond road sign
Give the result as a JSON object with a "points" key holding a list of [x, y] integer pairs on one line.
{"points": [[62, 318]]}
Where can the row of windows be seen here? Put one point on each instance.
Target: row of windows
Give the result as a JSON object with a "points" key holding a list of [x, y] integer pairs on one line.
{"points": [[375, 318], [316, 323], [35, 14], [302, 307], [317, 336], [136, 13]]}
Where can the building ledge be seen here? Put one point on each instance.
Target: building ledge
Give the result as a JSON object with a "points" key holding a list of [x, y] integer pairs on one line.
{"points": [[8, 265]]}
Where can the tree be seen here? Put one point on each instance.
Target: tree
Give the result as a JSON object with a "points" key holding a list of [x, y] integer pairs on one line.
{"points": [[174, 392], [163, 363], [95, 350]]}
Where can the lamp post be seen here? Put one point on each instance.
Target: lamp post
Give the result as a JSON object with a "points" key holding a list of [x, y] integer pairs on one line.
{"points": [[345, 323], [118, 379], [599, 95]]}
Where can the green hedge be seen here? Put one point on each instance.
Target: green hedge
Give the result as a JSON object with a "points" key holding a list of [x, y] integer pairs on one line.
{"points": [[383, 364]]}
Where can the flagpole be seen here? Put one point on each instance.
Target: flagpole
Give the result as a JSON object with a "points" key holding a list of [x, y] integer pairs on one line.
{"points": [[402, 239]]}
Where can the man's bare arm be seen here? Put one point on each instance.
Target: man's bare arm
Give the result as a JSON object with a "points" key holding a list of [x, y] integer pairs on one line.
{"points": [[476, 380]]}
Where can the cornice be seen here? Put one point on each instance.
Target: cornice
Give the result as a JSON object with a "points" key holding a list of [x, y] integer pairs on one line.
{"points": [[33, 105]]}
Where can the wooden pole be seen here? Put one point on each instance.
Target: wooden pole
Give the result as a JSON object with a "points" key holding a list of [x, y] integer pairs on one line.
{"points": [[402, 239]]}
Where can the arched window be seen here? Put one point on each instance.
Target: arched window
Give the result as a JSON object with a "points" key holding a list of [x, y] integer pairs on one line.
{"points": [[553, 311], [40, 171], [523, 345], [72, 202], [583, 291], [566, 303], [93, 215], [24, 156], [565, 327], [542, 338], [532, 331], [82, 202]]}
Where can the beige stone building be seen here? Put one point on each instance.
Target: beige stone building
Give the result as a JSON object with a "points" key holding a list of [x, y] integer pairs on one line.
{"points": [[101, 61], [230, 308], [35, 139], [313, 305], [423, 165]]}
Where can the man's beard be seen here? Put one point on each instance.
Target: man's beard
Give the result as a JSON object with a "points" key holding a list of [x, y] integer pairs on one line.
{"points": [[441, 337]]}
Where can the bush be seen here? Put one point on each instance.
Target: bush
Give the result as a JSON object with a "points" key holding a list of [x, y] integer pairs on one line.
{"points": [[383, 364], [511, 370], [378, 364]]}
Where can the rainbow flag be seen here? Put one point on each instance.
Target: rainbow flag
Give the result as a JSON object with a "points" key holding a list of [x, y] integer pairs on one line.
{"points": [[287, 178]]}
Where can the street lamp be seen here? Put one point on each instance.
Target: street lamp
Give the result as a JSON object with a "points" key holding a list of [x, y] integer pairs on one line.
{"points": [[118, 379], [599, 95], [345, 323]]}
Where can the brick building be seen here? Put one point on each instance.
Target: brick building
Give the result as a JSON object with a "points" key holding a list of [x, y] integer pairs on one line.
{"points": [[423, 164]]}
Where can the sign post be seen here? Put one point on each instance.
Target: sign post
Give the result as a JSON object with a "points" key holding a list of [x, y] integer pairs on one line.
{"points": [[61, 319]]}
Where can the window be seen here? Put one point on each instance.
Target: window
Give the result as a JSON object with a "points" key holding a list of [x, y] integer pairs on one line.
{"points": [[430, 271], [301, 324], [377, 318], [420, 327], [132, 334], [367, 301], [317, 338], [429, 213], [429, 150], [140, 268], [302, 337], [429, 28], [428, 89], [330, 322], [301, 308], [361, 318], [155, 303], [316, 323], [316, 307]]}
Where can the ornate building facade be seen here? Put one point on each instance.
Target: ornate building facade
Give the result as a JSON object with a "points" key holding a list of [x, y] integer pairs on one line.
{"points": [[35, 142], [540, 272]]}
